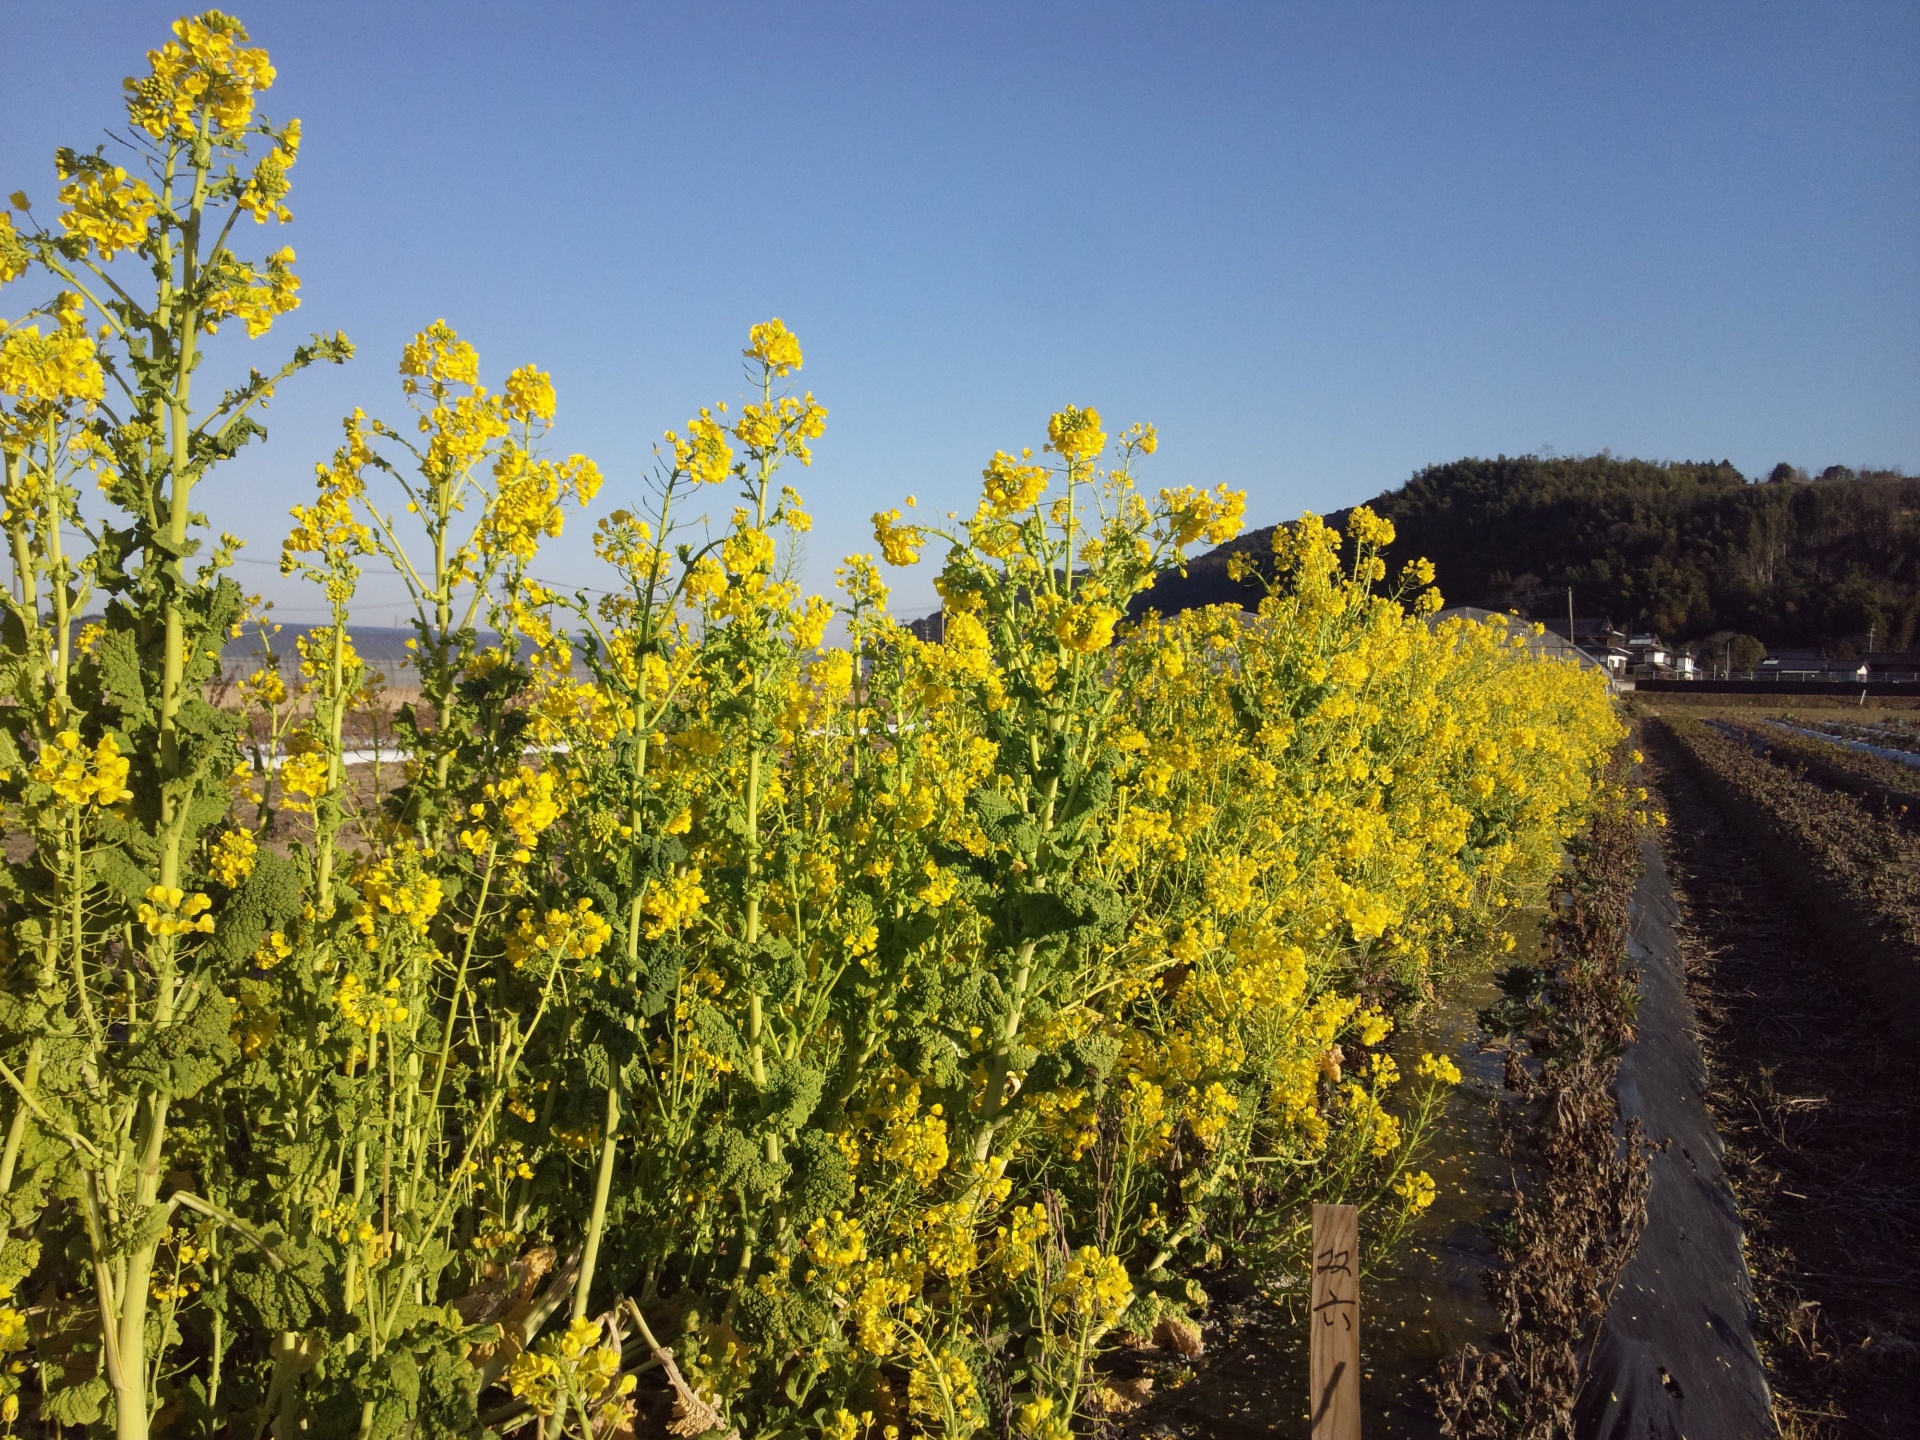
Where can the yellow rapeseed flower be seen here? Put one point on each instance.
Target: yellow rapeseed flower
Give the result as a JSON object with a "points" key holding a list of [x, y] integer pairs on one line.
{"points": [[168, 911], [899, 543], [79, 777], [233, 857], [1012, 487], [672, 902], [204, 68], [1086, 626], [1076, 433], [774, 346], [529, 394], [370, 1010]]}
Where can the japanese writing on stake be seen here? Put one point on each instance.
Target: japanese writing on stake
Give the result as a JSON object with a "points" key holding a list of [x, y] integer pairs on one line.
{"points": [[1334, 1354]]}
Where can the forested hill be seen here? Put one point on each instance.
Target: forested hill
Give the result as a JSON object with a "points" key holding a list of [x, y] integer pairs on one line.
{"points": [[1684, 549]]}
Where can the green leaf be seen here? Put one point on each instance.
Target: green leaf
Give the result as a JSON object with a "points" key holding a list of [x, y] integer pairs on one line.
{"points": [[822, 1179], [268, 899], [17, 1259], [305, 1293], [123, 679], [115, 870], [81, 1404], [793, 1090], [185, 1057]]}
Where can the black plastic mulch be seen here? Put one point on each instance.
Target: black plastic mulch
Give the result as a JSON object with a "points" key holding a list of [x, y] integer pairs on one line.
{"points": [[1676, 1354]]}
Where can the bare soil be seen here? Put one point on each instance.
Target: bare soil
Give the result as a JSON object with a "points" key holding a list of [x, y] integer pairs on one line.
{"points": [[1783, 702], [1817, 1097], [1889, 789]]}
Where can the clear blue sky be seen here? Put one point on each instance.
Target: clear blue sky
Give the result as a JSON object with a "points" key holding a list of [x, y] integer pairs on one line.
{"points": [[1320, 245]]}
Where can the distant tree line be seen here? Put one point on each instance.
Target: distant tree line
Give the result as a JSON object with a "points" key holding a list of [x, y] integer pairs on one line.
{"points": [[1689, 550]]}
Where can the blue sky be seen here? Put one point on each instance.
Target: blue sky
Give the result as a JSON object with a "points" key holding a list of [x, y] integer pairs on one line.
{"points": [[1318, 245]]}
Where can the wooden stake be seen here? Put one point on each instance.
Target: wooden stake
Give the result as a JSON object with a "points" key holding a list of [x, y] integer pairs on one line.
{"points": [[1334, 1356]]}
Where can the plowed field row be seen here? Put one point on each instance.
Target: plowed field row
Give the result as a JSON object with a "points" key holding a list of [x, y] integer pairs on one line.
{"points": [[1794, 895], [1890, 789], [1861, 859]]}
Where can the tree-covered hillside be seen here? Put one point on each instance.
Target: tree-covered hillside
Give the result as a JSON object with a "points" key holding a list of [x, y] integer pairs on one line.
{"points": [[1685, 549]]}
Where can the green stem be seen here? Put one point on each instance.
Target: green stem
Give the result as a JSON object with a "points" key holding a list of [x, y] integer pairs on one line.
{"points": [[17, 1128], [603, 1186], [130, 1392], [994, 1104], [453, 1015], [327, 811]]}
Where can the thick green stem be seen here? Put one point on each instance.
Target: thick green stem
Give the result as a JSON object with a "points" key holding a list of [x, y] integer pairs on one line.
{"points": [[57, 573], [173, 672], [25, 583], [130, 1390], [283, 1391], [602, 1187], [17, 1129], [993, 1104], [219, 1350]]}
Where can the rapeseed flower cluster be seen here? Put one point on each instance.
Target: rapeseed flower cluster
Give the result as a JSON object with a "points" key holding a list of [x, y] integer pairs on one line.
{"points": [[167, 911], [306, 777], [559, 936], [1093, 1288], [523, 805], [575, 1366], [233, 858], [396, 886], [79, 776], [368, 1008], [41, 375], [672, 903], [106, 210], [205, 69]]}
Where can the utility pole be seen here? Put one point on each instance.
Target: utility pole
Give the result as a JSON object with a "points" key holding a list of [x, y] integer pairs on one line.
{"points": [[1571, 638]]}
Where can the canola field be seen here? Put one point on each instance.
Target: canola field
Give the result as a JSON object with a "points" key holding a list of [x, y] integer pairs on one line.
{"points": [[737, 1015]]}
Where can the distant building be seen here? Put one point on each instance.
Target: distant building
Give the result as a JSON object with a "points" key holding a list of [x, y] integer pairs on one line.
{"points": [[1598, 640], [1643, 656], [1892, 664], [1809, 665], [1652, 656]]}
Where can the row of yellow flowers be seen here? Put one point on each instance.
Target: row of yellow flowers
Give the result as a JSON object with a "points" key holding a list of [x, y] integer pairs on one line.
{"points": [[852, 1036]]}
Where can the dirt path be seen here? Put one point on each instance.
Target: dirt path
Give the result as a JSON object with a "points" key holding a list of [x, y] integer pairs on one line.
{"points": [[1818, 1101]]}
